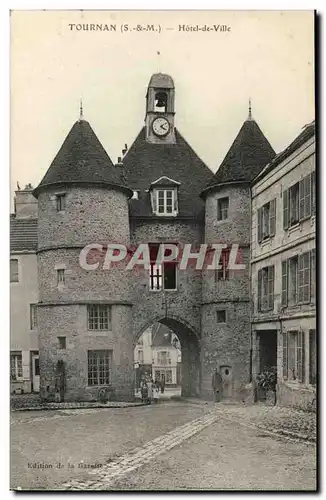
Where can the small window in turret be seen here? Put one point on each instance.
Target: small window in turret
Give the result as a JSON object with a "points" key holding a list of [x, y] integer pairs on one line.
{"points": [[161, 100], [61, 202], [222, 208]]}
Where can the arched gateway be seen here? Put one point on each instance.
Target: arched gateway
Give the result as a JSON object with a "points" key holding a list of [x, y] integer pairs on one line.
{"points": [[190, 352], [89, 315]]}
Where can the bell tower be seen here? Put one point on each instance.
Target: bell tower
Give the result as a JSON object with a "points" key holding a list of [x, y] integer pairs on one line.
{"points": [[159, 119]]}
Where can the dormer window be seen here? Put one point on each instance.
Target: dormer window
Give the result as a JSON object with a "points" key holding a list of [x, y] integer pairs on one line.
{"points": [[164, 197], [165, 201]]}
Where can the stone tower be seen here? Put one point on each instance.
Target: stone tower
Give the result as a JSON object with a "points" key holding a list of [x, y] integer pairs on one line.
{"points": [[84, 315], [226, 306], [168, 177]]}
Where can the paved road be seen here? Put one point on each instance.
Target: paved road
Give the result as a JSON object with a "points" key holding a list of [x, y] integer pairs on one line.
{"points": [[169, 446]]}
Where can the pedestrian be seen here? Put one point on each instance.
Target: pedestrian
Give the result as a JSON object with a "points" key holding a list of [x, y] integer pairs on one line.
{"points": [[162, 383], [156, 393], [144, 391], [217, 385], [150, 385]]}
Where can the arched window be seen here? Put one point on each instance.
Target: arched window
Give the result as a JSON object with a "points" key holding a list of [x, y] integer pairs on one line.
{"points": [[161, 100]]}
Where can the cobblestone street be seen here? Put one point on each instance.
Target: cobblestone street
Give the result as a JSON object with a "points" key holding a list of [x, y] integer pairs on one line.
{"points": [[172, 445]]}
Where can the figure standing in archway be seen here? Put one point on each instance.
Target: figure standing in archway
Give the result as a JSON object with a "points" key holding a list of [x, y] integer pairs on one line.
{"points": [[217, 385]]}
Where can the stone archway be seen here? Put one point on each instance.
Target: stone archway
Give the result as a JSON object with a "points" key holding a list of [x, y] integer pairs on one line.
{"points": [[190, 351]]}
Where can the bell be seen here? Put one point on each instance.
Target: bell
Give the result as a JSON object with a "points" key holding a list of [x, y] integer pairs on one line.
{"points": [[161, 100]]}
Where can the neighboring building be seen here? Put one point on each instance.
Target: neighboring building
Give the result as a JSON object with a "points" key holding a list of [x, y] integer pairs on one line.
{"points": [[143, 355], [283, 262], [158, 352], [24, 345], [91, 322], [166, 351]]}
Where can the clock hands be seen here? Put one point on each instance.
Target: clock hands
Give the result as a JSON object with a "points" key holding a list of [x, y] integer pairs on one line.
{"points": [[163, 126]]}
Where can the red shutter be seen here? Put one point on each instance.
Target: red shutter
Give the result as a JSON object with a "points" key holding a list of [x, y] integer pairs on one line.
{"points": [[302, 199], [259, 290], [284, 283], [259, 224]]}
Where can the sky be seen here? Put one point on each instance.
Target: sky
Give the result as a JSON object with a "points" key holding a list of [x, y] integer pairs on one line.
{"points": [[267, 56]]}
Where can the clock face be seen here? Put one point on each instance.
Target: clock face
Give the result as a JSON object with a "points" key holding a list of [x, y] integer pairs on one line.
{"points": [[161, 126]]}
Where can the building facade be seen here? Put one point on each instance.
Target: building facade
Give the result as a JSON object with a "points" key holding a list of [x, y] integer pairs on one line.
{"points": [[24, 344], [90, 316], [283, 256]]}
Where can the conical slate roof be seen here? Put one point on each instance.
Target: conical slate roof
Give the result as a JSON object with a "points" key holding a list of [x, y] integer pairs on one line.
{"points": [[83, 160], [247, 156], [145, 163]]}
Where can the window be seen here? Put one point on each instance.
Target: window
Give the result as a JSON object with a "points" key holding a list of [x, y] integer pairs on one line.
{"points": [[32, 316], [294, 204], [165, 201], [162, 275], [62, 342], [221, 316], [222, 208], [299, 279], [60, 276], [266, 289], [162, 358], [140, 356], [292, 283], [99, 367], [312, 357], [299, 201], [293, 356], [313, 276], [61, 202], [99, 317], [266, 220], [304, 277], [16, 366], [223, 272], [14, 277]]}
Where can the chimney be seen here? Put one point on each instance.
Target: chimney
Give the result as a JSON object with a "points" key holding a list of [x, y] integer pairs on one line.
{"points": [[25, 204]]}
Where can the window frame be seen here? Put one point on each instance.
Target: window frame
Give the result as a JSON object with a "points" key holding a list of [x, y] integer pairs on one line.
{"points": [[97, 355], [223, 273], [95, 319], [61, 278], [165, 191], [62, 344], [18, 367], [266, 283], [60, 202], [217, 313], [33, 316], [221, 209]]}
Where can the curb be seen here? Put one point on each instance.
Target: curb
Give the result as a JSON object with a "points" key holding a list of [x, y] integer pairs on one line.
{"points": [[76, 407]]}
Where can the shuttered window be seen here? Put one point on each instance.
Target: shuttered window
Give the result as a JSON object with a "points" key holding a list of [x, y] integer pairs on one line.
{"points": [[284, 283], [300, 357], [286, 209], [304, 277], [259, 225], [305, 197], [313, 276], [259, 289], [285, 355], [313, 193], [266, 289], [266, 220], [272, 217]]}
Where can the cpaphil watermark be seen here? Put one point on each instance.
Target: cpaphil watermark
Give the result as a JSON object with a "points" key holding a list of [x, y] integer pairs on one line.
{"points": [[211, 257]]}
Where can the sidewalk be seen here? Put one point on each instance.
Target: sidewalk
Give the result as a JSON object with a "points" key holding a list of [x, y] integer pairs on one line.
{"points": [[289, 422]]}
